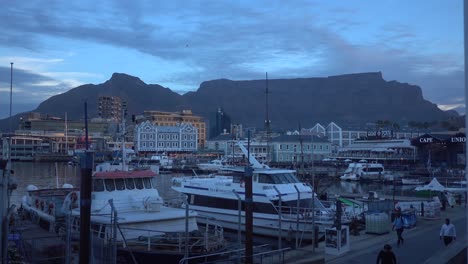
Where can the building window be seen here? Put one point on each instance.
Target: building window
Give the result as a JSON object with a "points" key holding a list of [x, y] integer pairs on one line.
{"points": [[321, 147], [144, 136], [287, 146], [144, 144], [185, 144], [191, 144]]}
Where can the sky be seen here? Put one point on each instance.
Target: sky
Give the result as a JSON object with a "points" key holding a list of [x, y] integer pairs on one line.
{"points": [[58, 45]]}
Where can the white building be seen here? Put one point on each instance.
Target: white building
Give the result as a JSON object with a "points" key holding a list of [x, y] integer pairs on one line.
{"points": [[153, 138]]}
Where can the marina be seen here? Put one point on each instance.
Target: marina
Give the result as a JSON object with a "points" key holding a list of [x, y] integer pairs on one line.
{"points": [[361, 192]]}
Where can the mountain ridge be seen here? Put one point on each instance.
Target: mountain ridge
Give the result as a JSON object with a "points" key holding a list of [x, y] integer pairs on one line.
{"points": [[355, 98]]}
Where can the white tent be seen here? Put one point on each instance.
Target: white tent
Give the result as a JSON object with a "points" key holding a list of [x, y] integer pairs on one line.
{"points": [[434, 185]]}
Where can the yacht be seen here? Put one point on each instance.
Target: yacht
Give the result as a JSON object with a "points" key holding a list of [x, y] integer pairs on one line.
{"points": [[213, 165], [358, 171], [281, 201]]}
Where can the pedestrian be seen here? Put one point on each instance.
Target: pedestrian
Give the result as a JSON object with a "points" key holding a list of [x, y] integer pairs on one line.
{"points": [[398, 227], [386, 255], [447, 231]]}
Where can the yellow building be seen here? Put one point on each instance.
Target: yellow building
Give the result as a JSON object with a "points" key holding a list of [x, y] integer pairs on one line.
{"points": [[160, 118]]}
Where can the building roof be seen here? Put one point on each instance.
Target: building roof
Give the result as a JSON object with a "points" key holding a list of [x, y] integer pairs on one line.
{"points": [[297, 138], [378, 145]]}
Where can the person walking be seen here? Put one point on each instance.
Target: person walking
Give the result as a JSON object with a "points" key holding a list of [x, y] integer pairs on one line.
{"points": [[447, 231], [386, 256], [398, 227]]}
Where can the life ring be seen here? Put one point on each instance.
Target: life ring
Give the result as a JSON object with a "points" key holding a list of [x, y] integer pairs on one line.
{"points": [[73, 197]]}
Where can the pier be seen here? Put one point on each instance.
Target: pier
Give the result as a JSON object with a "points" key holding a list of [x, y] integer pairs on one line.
{"points": [[422, 244]]}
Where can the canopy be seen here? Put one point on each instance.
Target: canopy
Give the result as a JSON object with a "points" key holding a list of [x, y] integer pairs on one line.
{"points": [[434, 185]]}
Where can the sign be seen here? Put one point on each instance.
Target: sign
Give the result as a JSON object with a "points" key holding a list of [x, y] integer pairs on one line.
{"points": [[458, 139], [379, 134], [426, 140]]}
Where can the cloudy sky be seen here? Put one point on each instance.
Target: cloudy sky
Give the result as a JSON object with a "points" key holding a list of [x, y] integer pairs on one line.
{"points": [[58, 45]]}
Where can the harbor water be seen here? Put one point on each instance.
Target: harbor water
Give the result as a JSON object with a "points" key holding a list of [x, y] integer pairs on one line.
{"points": [[51, 175]]}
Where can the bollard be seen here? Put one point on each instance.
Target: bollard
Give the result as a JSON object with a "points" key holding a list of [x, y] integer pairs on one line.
{"points": [[422, 208]]}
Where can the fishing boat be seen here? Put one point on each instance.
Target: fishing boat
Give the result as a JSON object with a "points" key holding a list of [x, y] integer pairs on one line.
{"points": [[281, 201]]}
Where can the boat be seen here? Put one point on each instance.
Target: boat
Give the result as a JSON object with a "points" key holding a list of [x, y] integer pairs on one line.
{"points": [[361, 170], [44, 206], [148, 227], [279, 199], [411, 181], [213, 165]]}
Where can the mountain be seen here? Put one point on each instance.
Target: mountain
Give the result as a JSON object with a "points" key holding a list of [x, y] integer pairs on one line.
{"points": [[344, 99]]}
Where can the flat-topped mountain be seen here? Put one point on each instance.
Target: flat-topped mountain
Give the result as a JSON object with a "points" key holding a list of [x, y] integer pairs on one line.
{"points": [[345, 99]]}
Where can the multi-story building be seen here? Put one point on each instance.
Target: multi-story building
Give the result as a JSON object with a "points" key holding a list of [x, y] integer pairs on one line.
{"points": [[160, 118], [110, 107], [285, 148], [291, 148], [221, 123], [151, 138], [40, 122]]}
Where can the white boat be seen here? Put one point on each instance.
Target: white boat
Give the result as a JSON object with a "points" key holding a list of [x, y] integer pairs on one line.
{"points": [[213, 165], [44, 206], [358, 171], [218, 195], [142, 214], [411, 181], [164, 161]]}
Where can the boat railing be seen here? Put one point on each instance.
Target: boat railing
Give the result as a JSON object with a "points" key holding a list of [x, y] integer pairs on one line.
{"points": [[208, 239], [305, 214]]}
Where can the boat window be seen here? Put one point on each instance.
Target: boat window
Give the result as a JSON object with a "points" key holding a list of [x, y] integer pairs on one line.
{"points": [[265, 178], [139, 183], [129, 184], [110, 186], [153, 180], [120, 184], [147, 182], [277, 178], [98, 185]]}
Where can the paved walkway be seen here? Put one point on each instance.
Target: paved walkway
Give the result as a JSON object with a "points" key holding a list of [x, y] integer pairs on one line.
{"points": [[421, 243]]}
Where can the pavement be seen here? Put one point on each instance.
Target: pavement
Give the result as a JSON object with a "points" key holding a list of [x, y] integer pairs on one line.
{"points": [[422, 244]]}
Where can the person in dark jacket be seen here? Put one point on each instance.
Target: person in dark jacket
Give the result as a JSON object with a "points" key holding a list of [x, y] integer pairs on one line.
{"points": [[386, 256]]}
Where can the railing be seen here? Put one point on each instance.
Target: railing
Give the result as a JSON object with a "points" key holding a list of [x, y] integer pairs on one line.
{"points": [[237, 256], [305, 214]]}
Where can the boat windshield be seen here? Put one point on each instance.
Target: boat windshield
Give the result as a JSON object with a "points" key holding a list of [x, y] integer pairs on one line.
{"points": [[277, 178]]}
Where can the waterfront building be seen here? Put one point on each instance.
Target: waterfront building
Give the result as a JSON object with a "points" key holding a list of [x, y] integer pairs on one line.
{"points": [[46, 123], [23, 147], [110, 107], [378, 149], [160, 118], [287, 148], [441, 150], [151, 138]]}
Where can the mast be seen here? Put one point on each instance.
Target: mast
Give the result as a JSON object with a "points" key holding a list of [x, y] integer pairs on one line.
{"points": [[267, 124]]}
